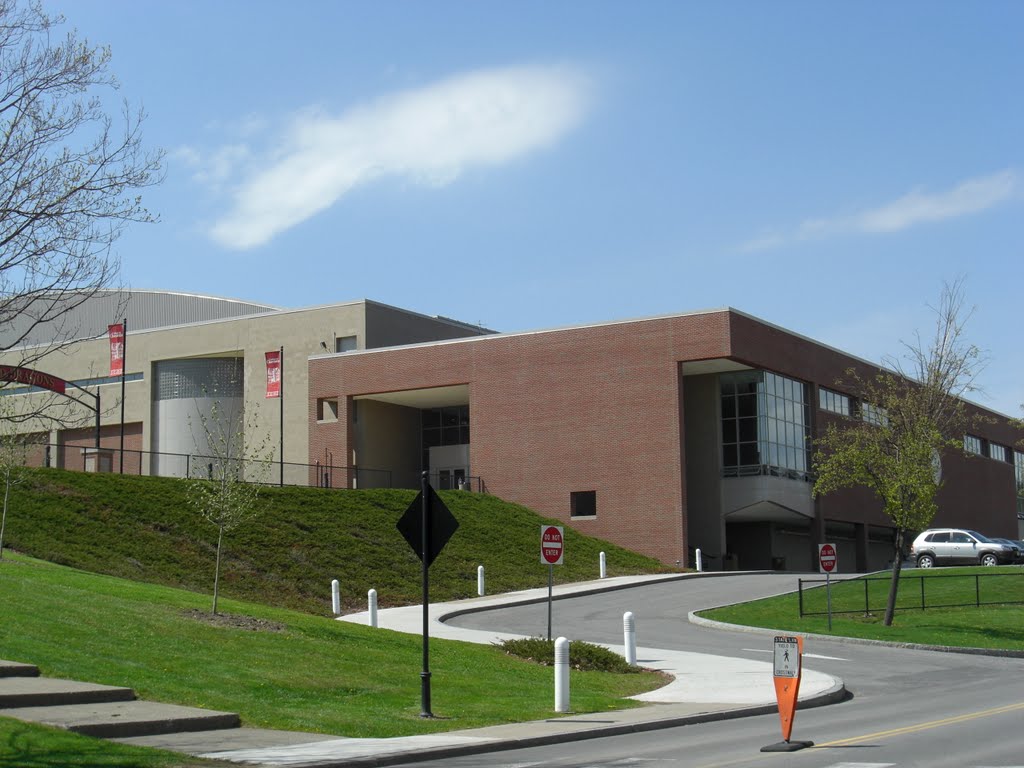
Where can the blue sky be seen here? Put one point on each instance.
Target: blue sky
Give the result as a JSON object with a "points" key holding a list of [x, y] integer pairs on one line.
{"points": [[824, 166]]}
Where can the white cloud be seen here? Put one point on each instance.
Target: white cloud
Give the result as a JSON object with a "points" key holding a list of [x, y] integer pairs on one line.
{"points": [[968, 197], [917, 207], [430, 136]]}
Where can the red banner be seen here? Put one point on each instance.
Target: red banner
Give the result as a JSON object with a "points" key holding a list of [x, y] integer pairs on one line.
{"points": [[274, 373], [116, 334]]}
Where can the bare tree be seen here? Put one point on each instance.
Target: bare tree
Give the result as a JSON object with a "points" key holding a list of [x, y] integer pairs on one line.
{"points": [[225, 483], [70, 176], [14, 456], [908, 417]]}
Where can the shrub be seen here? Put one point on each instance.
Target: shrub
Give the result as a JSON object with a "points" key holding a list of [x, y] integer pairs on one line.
{"points": [[582, 656]]}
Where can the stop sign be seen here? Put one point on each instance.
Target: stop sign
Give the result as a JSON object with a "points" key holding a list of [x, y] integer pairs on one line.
{"points": [[827, 559], [551, 549]]}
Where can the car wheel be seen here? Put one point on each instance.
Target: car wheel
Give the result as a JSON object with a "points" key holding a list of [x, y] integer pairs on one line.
{"points": [[925, 561], [989, 559]]}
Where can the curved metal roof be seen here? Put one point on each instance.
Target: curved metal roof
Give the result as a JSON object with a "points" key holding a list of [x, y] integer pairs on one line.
{"points": [[88, 317]]}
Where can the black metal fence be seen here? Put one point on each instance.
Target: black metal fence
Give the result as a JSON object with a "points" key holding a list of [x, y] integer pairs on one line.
{"points": [[916, 592], [160, 464]]}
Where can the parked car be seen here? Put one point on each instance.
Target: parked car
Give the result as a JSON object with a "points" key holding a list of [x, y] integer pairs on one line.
{"points": [[1014, 543], [959, 546]]}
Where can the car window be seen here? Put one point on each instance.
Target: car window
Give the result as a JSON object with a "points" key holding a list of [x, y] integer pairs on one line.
{"points": [[960, 538], [938, 538], [979, 537]]}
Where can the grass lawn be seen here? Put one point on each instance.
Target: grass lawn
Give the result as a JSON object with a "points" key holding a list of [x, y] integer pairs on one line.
{"points": [[996, 623], [24, 745], [303, 672], [142, 528]]}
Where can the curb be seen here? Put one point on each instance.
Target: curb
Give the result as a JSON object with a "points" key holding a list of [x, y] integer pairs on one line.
{"points": [[596, 590], [832, 696], [721, 625]]}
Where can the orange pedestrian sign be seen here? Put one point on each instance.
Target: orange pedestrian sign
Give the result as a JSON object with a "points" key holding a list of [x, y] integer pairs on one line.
{"points": [[787, 668]]}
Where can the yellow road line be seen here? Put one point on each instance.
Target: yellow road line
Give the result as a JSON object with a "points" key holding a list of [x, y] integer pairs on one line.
{"points": [[924, 726]]}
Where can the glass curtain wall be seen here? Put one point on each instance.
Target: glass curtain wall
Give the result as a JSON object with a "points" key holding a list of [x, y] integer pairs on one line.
{"points": [[765, 425]]}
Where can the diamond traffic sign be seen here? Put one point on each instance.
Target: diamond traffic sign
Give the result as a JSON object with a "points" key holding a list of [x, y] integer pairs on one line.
{"points": [[441, 524]]}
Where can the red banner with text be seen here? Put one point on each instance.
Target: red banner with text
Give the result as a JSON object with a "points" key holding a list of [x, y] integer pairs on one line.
{"points": [[116, 334], [274, 373]]}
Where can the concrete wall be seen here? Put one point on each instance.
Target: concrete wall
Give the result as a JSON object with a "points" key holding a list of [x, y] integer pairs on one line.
{"points": [[302, 333], [387, 436], [704, 466]]}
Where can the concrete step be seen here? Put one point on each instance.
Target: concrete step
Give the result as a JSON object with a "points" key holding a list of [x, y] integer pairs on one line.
{"points": [[122, 719], [17, 669], [49, 692]]}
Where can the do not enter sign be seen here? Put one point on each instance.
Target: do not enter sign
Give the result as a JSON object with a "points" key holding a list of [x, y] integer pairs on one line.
{"points": [[551, 549], [827, 559]]}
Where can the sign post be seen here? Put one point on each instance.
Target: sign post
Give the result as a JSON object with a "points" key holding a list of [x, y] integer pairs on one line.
{"points": [[827, 562], [787, 668], [552, 553], [427, 525]]}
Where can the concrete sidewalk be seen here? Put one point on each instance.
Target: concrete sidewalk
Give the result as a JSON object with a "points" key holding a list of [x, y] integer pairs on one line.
{"points": [[705, 688]]}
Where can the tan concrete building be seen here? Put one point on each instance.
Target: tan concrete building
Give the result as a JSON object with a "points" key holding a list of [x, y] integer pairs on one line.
{"points": [[186, 352]]}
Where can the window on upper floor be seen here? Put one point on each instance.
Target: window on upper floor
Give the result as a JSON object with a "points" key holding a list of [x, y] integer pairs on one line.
{"points": [[1018, 470], [345, 344], [833, 401], [765, 423], [873, 414], [327, 409], [972, 444], [998, 452]]}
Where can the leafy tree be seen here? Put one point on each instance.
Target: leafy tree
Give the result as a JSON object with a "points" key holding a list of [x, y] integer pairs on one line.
{"points": [[224, 485], [70, 176], [910, 414]]}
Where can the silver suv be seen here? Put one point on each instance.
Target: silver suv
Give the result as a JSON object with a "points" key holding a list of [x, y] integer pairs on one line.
{"points": [[959, 546]]}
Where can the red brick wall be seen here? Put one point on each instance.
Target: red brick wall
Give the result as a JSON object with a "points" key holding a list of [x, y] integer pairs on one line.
{"points": [[587, 409], [599, 409], [73, 440]]}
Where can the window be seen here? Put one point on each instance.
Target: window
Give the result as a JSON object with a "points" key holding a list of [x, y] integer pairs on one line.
{"points": [[833, 401], [1018, 470], [872, 414], [443, 426], [938, 538], [972, 444], [765, 424], [326, 409], [345, 344], [997, 452], [583, 504]]}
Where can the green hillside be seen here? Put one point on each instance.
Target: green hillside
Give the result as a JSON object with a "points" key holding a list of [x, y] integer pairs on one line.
{"points": [[142, 528]]}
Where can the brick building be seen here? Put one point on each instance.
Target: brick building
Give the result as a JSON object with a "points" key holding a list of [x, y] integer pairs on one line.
{"points": [[662, 435]]}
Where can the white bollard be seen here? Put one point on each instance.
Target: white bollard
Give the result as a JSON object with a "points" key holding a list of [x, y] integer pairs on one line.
{"points": [[629, 633], [371, 598], [335, 597], [561, 675], [604, 565], [700, 563], [480, 580]]}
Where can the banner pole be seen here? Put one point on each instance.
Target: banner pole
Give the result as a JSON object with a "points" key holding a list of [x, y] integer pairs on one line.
{"points": [[124, 368], [281, 448]]}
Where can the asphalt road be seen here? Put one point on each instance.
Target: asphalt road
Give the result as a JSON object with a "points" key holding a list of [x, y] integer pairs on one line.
{"points": [[908, 707]]}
